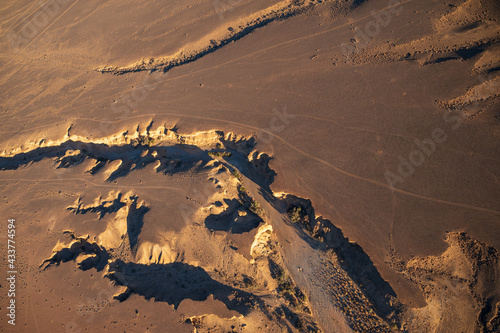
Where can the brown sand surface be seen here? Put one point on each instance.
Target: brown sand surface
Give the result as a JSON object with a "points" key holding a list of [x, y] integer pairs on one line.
{"points": [[246, 166]]}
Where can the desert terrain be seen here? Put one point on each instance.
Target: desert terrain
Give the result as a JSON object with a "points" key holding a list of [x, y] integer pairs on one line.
{"points": [[250, 166]]}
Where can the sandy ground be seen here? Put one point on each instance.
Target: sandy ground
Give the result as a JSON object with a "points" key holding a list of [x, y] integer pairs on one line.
{"points": [[250, 166]]}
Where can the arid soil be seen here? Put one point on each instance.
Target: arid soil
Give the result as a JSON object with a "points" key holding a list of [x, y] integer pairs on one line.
{"points": [[250, 166]]}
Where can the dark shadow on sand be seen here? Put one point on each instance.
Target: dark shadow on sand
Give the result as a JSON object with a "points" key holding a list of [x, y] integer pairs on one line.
{"points": [[175, 282]]}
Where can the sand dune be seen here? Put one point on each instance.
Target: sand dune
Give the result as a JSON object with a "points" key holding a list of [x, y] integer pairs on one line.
{"points": [[251, 166]]}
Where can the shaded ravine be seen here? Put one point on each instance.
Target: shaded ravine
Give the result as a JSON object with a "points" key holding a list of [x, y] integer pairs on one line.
{"points": [[171, 283], [346, 291], [337, 301]]}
